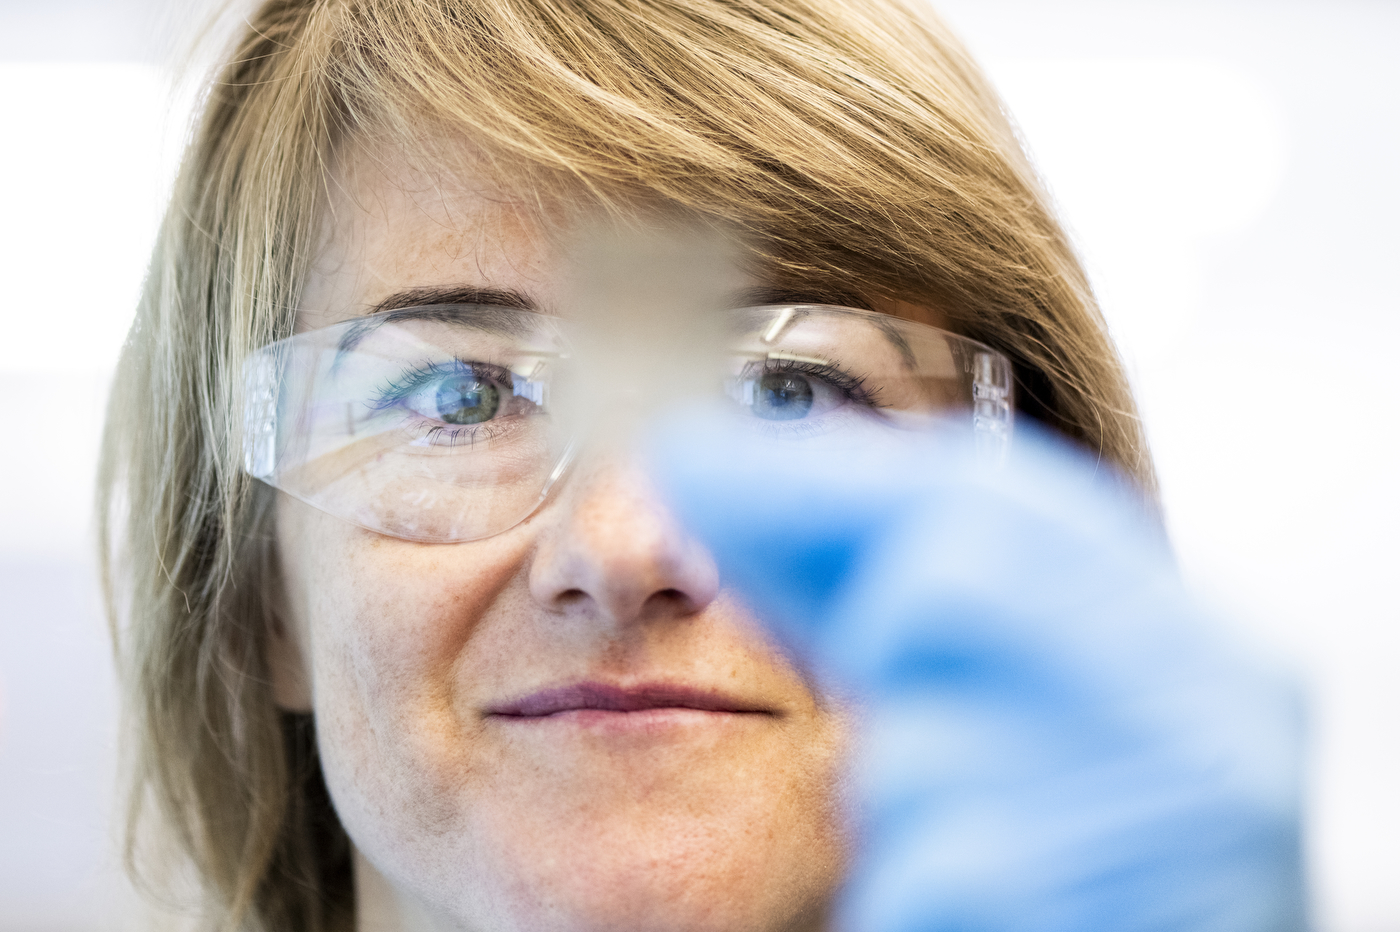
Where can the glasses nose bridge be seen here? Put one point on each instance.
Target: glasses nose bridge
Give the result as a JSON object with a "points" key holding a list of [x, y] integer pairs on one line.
{"points": [[613, 427], [560, 473], [591, 461]]}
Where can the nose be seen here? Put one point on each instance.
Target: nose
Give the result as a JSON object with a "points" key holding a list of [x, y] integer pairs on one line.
{"points": [[611, 549]]}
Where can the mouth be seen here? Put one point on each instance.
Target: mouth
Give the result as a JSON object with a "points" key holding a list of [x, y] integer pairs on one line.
{"points": [[589, 702]]}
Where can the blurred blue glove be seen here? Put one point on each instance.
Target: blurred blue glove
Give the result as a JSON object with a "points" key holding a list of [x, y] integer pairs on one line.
{"points": [[1057, 739]]}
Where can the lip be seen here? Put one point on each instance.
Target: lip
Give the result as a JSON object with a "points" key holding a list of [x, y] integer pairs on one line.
{"points": [[643, 701]]}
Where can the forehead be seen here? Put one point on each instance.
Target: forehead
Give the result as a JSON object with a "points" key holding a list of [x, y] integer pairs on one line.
{"points": [[397, 227], [391, 226]]}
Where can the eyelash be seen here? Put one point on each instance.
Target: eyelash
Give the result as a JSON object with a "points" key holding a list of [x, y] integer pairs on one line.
{"points": [[424, 374], [852, 386], [410, 380], [457, 435]]}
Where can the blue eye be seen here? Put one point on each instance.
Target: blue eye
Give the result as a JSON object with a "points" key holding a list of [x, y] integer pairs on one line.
{"points": [[465, 399], [456, 393], [797, 389], [782, 396]]}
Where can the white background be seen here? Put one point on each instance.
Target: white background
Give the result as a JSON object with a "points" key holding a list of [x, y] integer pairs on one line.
{"points": [[1230, 172]]}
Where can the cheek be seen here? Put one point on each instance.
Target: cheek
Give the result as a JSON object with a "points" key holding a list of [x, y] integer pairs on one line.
{"points": [[386, 624]]}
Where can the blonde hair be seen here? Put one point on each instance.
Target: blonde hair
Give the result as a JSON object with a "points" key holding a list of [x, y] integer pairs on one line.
{"points": [[855, 139]]}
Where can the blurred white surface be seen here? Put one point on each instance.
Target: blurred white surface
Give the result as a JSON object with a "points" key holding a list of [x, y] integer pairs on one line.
{"points": [[1228, 170]]}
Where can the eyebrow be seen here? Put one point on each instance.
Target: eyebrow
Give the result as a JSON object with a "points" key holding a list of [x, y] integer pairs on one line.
{"points": [[497, 309], [428, 297], [518, 300], [494, 309]]}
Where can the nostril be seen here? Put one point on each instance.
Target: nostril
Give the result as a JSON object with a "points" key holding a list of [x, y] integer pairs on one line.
{"points": [[661, 602], [570, 597], [612, 552], [668, 601]]}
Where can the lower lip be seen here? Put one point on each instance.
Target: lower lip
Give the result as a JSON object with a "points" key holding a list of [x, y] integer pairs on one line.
{"points": [[609, 721]]}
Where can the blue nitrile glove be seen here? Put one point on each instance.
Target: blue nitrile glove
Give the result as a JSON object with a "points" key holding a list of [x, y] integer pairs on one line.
{"points": [[1058, 739]]}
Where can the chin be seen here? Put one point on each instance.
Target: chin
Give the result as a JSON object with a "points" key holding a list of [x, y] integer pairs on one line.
{"points": [[666, 891], [603, 873], [725, 855]]}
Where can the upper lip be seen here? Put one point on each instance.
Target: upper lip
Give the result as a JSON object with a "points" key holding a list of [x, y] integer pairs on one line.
{"points": [[609, 698]]}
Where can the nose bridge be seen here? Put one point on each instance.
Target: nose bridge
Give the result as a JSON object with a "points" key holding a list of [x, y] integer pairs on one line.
{"points": [[612, 548]]}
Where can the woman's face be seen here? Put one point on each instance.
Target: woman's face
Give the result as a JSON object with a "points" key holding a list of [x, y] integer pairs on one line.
{"points": [[418, 658]]}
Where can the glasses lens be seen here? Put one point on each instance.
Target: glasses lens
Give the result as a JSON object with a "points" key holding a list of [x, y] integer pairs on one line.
{"points": [[429, 424], [437, 424], [824, 375]]}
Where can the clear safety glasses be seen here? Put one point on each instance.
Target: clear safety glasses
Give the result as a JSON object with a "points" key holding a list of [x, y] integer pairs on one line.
{"points": [[443, 423]]}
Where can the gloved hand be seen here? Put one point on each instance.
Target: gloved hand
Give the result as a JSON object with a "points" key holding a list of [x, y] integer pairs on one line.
{"points": [[1057, 738]]}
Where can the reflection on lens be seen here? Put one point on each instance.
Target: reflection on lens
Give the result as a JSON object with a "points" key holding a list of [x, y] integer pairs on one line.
{"points": [[782, 397], [465, 400]]}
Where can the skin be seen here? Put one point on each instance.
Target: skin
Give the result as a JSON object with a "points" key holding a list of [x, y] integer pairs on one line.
{"points": [[465, 819]]}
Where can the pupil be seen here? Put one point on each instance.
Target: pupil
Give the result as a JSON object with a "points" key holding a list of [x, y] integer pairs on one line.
{"points": [[782, 397], [465, 400]]}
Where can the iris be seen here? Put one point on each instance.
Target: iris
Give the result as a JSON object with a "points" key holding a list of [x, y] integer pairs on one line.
{"points": [[464, 399], [782, 396]]}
